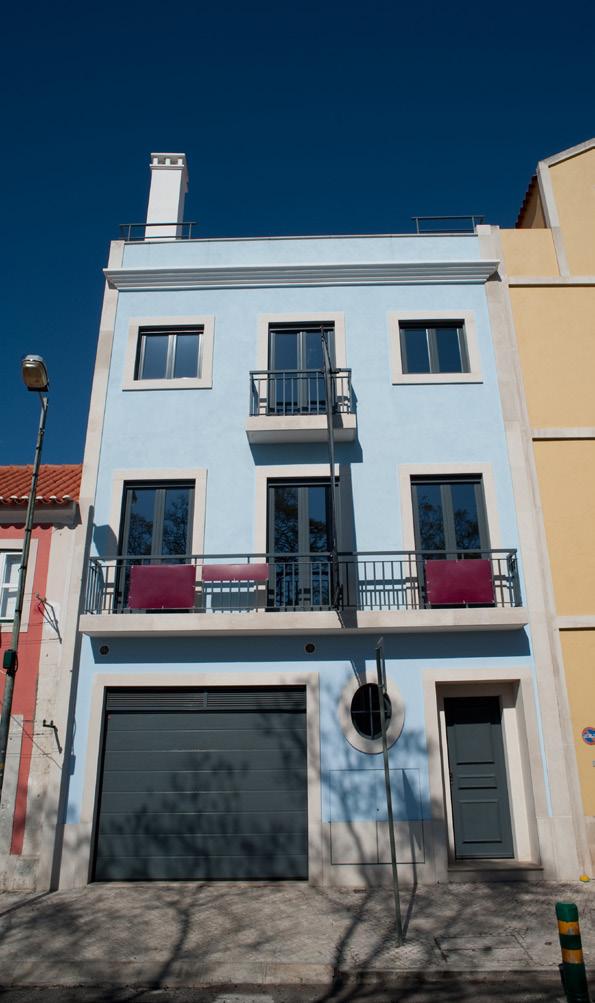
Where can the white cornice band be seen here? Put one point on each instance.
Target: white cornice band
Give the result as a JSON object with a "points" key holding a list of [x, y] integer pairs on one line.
{"points": [[372, 273]]}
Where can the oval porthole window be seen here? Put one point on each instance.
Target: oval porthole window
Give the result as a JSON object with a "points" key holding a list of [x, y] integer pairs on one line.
{"points": [[365, 711]]}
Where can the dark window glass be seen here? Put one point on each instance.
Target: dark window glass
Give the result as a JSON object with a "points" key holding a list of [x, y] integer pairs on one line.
{"points": [[440, 349], [365, 711], [176, 521], [168, 355], [186, 356], [154, 363], [140, 503], [448, 349], [414, 341], [449, 515], [430, 517]]}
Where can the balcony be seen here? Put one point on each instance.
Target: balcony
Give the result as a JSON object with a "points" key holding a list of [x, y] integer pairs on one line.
{"points": [[303, 593], [289, 405]]}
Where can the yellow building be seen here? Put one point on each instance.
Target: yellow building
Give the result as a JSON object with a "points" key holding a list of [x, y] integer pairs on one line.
{"points": [[548, 264]]}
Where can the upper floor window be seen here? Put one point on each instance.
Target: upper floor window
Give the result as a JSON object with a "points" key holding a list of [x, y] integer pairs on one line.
{"points": [[10, 562], [433, 348], [157, 519], [168, 354], [449, 514]]}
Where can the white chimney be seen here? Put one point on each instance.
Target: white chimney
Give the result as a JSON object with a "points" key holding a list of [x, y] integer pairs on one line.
{"points": [[169, 184]]}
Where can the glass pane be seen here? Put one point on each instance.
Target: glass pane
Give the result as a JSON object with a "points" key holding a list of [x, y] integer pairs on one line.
{"points": [[430, 517], [284, 350], [313, 358], [141, 506], [466, 518], [154, 360], [448, 348], [416, 347], [186, 357], [176, 521], [8, 587], [318, 529], [285, 525]]}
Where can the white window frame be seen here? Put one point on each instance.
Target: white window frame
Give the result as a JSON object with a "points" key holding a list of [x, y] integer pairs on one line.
{"points": [[433, 317], [137, 326], [14, 545]]}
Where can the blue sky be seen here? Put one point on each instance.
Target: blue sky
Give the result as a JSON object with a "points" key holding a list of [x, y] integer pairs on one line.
{"points": [[329, 117]]}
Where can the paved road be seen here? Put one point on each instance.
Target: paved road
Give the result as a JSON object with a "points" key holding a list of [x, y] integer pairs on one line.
{"points": [[535, 989]]}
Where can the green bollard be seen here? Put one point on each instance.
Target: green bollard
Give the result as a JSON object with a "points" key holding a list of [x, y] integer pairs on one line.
{"points": [[572, 969]]}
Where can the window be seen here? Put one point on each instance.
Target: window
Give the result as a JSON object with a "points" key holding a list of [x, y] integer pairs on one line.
{"points": [[437, 348], [434, 346], [295, 365], [365, 711], [168, 354], [157, 519], [299, 535], [449, 514], [10, 562]]}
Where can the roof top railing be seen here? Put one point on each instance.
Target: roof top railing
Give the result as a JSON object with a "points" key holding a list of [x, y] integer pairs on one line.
{"points": [[466, 224], [137, 231]]}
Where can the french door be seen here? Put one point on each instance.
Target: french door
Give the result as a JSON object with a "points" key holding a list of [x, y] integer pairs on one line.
{"points": [[299, 535], [449, 516], [156, 527], [296, 363]]}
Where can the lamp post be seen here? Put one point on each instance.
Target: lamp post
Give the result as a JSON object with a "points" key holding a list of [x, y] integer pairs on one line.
{"points": [[35, 377]]}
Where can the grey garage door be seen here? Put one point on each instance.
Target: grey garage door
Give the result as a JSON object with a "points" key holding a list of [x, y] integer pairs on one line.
{"points": [[203, 784]]}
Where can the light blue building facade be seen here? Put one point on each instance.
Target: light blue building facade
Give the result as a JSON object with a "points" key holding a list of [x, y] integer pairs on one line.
{"points": [[226, 717]]}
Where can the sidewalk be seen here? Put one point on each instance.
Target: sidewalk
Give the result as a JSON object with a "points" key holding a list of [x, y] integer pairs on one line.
{"points": [[199, 935]]}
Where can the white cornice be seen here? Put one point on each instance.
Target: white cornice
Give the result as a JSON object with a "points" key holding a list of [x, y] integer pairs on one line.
{"points": [[341, 274]]}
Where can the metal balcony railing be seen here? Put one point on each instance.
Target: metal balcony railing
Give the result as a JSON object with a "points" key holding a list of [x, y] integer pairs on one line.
{"points": [[373, 581], [447, 224], [299, 391], [161, 231]]}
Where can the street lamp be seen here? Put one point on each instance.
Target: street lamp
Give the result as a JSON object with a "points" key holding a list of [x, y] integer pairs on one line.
{"points": [[35, 377]]}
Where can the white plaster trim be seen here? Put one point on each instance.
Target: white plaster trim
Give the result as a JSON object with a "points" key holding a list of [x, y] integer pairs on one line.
{"points": [[396, 362], [16, 544], [156, 474], [297, 471], [572, 151], [267, 320], [562, 280], [584, 432], [171, 680], [347, 273], [550, 211], [201, 382], [521, 743], [408, 470], [586, 622], [372, 746]]}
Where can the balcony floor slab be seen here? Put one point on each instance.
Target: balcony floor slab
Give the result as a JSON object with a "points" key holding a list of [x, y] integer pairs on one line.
{"points": [[261, 623]]}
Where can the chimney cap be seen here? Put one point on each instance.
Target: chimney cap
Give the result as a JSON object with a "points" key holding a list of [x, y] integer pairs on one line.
{"points": [[169, 161]]}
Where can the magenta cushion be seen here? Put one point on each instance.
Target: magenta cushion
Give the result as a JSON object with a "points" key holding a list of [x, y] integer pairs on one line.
{"points": [[459, 582], [162, 586]]}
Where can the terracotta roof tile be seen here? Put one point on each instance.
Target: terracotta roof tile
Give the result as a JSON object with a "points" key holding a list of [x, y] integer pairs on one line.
{"points": [[57, 484]]}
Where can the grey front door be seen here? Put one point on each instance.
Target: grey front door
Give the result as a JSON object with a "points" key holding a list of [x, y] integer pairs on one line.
{"points": [[478, 784], [203, 784]]}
